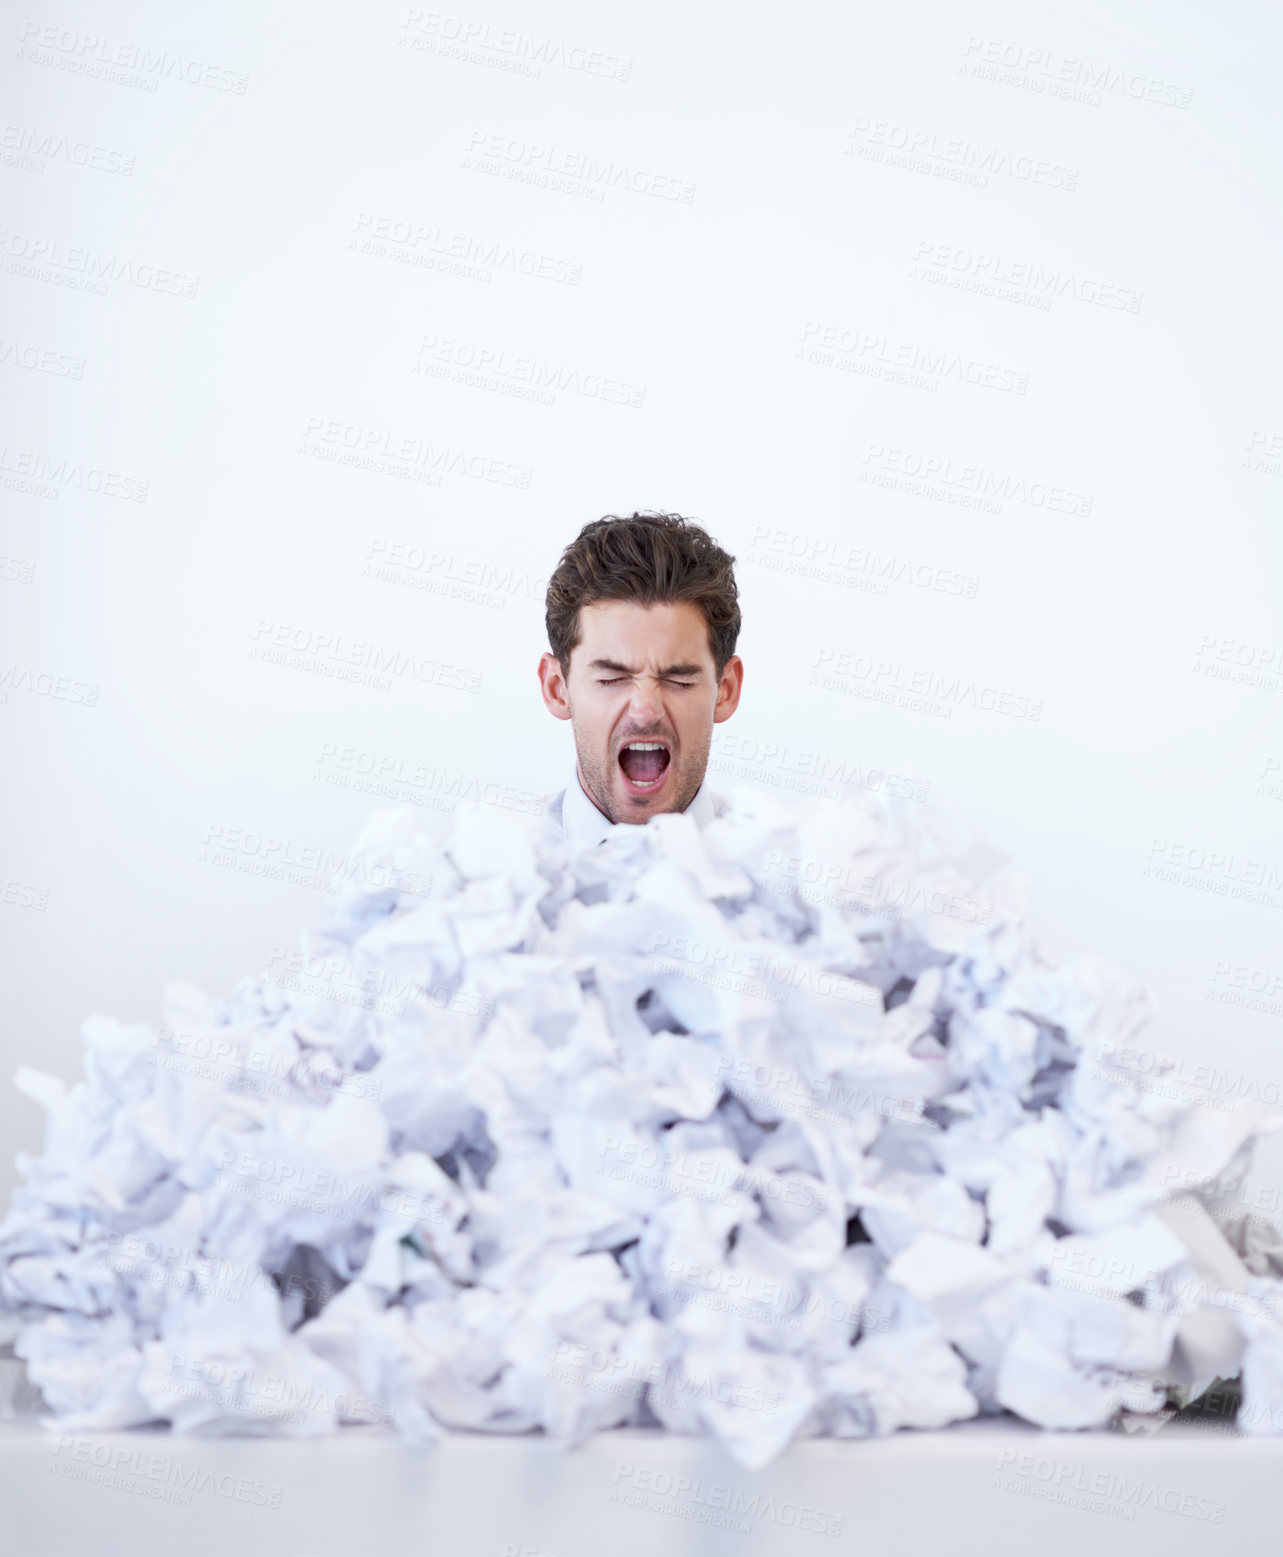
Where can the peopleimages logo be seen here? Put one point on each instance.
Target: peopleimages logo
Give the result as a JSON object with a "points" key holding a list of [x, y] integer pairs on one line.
{"points": [[47, 475], [702, 1175], [408, 242], [477, 42], [377, 449], [330, 654], [715, 1502], [832, 561], [49, 259], [518, 374], [831, 345], [44, 683], [1104, 1491], [1067, 76], [157, 1476], [21, 146], [938, 473], [130, 64], [841, 670], [994, 275], [953, 156], [487, 151], [40, 359]]}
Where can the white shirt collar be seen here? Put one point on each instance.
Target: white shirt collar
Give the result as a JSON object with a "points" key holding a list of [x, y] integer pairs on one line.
{"points": [[583, 823]]}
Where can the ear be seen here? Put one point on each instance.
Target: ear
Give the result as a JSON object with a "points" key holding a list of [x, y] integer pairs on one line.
{"points": [[729, 689], [552, 684]]}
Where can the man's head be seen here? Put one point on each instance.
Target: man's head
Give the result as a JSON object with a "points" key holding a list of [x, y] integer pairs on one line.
{"points": [[642, 617]]}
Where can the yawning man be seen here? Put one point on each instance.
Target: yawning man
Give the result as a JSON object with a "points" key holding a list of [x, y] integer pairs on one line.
{"points": [[643, 616]]}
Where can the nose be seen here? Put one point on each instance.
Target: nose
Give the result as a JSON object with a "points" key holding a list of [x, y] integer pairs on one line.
{"points": [[646, 704]]}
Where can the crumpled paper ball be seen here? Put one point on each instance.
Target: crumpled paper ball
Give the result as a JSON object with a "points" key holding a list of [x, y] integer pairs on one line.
{"points": [[777, 1129]]}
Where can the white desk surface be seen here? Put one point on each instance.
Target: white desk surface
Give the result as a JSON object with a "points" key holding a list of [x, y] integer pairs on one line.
{"points": [[980, 1487]]}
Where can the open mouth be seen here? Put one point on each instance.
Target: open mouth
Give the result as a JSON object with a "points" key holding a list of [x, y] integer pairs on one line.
{"points": [[644, 764]]}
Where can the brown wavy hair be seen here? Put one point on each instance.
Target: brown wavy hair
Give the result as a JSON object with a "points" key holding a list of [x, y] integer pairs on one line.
{"points": [[652, 558]]}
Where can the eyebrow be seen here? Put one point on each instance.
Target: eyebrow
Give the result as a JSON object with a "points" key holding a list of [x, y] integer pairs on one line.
{"points": [[627, 670]]}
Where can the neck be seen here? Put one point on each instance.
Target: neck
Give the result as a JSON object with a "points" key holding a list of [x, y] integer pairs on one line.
{"points": [[579, 774]]}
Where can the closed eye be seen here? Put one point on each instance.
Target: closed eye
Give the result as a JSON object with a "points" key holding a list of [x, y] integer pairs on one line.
{"points": [[613, 681]]}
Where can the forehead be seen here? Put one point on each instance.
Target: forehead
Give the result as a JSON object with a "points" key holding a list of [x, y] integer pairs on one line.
{"points": [[641, 636]]}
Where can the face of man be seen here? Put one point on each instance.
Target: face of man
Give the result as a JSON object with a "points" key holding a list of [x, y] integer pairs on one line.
{"points": [[643, 695]]}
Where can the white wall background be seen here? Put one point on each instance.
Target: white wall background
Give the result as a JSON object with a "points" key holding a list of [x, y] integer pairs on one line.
{"points": [[192, 336]]}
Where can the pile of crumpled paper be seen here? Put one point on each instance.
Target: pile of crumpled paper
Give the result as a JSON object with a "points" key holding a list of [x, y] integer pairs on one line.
{"points": [[778, 1129]]}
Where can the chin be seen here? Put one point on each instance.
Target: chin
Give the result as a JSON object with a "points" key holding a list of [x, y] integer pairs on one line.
{"points": [[640, 808], [630, 809]]}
